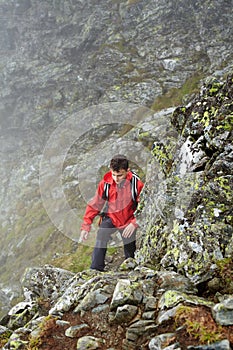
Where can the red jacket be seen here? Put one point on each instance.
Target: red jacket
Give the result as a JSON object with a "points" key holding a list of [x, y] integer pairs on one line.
{"points": [[120, 203]]}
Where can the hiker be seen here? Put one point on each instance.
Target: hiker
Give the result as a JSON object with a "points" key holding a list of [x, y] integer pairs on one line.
{"points": [[115, 200]]}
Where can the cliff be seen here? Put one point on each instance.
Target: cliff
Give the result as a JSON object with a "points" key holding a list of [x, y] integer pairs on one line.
{"points": [[82, 80], [59, 57], [177, 293]]}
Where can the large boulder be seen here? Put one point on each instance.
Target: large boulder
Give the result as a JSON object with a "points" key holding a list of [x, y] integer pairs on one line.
{"points": [[187, 222]]}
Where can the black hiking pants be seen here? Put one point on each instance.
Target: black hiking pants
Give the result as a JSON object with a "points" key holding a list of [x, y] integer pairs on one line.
{"points": [[106, 229]]}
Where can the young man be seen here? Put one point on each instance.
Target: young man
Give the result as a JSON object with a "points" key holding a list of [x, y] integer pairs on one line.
{"points": [[115, 192]]}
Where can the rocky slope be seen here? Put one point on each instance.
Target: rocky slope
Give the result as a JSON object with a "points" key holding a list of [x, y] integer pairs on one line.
{"points": [[178, 292], [188, 216], [59, 57], [134, 308]]}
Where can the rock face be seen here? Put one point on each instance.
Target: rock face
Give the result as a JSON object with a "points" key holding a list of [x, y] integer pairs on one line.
{"points": [[173, 303], [59, 57], [192, 229], [63, 55]]}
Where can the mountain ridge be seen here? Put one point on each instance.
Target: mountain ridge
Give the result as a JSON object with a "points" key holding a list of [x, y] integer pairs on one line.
{"points": [[60, 57]]}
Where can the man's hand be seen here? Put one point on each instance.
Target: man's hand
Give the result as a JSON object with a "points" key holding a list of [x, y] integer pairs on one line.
{"points": [[128, 231], [83, 236]]}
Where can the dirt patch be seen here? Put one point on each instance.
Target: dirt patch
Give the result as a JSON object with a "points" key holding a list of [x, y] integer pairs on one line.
{"points": [[53, 335]]}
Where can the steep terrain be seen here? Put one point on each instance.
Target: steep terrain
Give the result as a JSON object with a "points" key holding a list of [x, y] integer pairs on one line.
{"points": [[58, 58], [187, 218], [178, 292]]}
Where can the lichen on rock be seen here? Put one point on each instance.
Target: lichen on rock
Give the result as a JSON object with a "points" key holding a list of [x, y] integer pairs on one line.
{"points": [[193, 228]]}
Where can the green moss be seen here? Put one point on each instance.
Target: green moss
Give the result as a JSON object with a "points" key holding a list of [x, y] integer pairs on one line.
{"points": [[36, 240], [111, 250], [225, 267], [175, 95], [36, 342], [132, 2], [80, 260], [164, 155], [143, 135], [75, 262], [196, 326], [206, 119], [224, 183], [4, 337], [215, 88]]}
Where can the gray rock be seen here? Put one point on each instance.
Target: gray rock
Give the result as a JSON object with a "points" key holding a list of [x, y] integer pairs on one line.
{"points": [[221, 345], [128, 264], [148, 315], [20, 307], [15, 342], [174, 216], [214, 285], [89, 342], [74, 331], [92, 299], [46, 281], [5, 304], [159, 342], [171, 298], [150, 303], [126, 292], [77, 291], [62, 323], [90, 54], [5, 332], [21, 314], [64, 56], [165, 315], [100, 309], [139, 328], [176, 281], [125, 313], [223, 312]]}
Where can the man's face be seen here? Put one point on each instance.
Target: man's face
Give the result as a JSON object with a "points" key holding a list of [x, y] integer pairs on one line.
{"points": [[119, 176]]}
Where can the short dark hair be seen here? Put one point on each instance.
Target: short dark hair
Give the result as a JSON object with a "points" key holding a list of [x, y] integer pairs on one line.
{"points": [[119, 162]]}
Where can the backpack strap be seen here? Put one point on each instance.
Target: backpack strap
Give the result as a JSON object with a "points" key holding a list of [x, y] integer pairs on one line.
{"points": [[105, 194], [134, 189]]}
